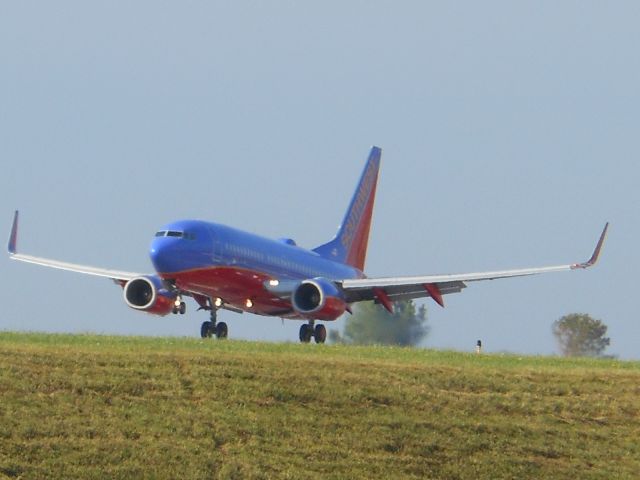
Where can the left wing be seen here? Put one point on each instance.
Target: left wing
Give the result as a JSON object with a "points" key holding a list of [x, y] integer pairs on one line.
{"points": [[116, 275], [387, 290]]}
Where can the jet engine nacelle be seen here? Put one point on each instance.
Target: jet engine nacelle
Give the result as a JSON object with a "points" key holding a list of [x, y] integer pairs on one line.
{"points": [[319, 299], [149, 295]]}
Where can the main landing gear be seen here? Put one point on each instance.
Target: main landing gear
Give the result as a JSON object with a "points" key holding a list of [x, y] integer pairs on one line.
{"points": [[213, 327], [307, 330]]}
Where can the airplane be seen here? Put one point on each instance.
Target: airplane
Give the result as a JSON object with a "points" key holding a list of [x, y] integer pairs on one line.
{"points": [[221, 267]]}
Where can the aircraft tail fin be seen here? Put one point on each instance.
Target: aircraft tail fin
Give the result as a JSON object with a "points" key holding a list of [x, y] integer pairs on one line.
{"points": [[350, 243]]}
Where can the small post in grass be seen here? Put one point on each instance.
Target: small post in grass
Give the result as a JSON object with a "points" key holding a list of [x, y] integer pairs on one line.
{"points": [[479, 346]]}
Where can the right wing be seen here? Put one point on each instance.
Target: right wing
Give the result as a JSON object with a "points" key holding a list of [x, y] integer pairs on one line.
{"points": [[116, 275], [387, 290]]}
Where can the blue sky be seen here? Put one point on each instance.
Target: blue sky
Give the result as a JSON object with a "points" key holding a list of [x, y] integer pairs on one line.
{"points": [[510, 134]]}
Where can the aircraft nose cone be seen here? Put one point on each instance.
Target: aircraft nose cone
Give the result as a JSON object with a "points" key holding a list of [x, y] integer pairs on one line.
{"points": [[163, 255]]}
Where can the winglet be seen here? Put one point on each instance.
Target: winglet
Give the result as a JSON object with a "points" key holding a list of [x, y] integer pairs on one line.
{"points": [[596, 253], [13, 237]]}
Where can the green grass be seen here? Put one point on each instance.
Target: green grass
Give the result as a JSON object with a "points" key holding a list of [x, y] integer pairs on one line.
{"points": [[87, 406]]}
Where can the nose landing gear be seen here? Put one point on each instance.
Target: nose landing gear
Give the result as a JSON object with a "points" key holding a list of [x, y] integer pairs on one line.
{"points": [[179, 306], [212, 326]]}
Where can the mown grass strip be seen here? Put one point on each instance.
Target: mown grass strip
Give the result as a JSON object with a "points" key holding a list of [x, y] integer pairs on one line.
{"points": [[87, 406]]}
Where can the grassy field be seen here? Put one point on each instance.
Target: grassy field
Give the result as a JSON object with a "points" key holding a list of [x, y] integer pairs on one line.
{"points": [[82, 406]]}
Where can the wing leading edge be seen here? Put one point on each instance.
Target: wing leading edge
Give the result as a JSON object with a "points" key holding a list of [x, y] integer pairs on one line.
{"points": [[115, 275], [389, 289]]}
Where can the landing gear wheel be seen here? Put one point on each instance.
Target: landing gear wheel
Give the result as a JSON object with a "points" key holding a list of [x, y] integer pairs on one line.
{"points": [[182, 308], [174, 310], [320, 334], [206, 330], [306, 332], [221, 330]]}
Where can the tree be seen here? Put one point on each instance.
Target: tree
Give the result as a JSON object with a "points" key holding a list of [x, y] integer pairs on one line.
{"points": [[372, 324], [578, 334]]}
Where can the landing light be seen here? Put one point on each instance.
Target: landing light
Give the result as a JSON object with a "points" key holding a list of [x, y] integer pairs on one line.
{"points": [[274, 283], [218, 302], [177, 302], [249, 303]]}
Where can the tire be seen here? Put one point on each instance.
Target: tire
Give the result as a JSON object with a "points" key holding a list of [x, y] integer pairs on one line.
{"points": [[305, 333], [221, 330], [320, 334], [205, 329], [183, 308]]}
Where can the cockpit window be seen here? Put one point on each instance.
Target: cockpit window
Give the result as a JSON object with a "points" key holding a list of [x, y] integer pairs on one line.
{"points": [[176, 234]]}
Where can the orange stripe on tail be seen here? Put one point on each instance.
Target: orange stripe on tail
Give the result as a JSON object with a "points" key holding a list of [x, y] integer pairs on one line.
{"points": [[350, 244]]}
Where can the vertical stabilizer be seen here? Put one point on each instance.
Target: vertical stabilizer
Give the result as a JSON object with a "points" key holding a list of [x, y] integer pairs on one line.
{"points": [[350, 244]]}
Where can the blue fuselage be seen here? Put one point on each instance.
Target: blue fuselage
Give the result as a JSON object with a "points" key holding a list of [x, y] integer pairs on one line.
{"points": [[222, 262]]}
